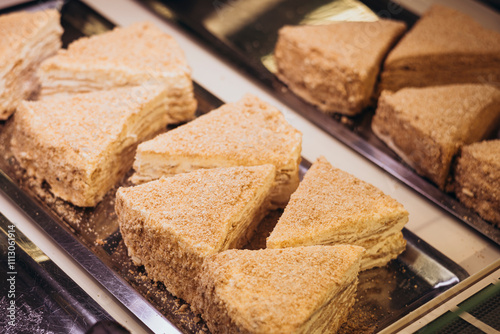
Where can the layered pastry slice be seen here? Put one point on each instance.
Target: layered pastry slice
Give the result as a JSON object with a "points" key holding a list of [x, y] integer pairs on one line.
{"points": [[333, 207], [172, 224], [83, 144], [26, 39], [335, 66], [293, 290], [427, 126], [140, 54], [246, 133], [477, 179], [444, 47]]}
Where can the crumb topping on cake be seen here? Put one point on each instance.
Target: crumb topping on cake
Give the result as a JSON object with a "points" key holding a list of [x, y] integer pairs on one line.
{"points": [[230, 132], [86, 123], [199, 204]]}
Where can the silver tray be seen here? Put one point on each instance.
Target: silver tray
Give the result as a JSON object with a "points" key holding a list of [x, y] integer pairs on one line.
{"points": [[247, 35], [46, 299], [91, 236]]}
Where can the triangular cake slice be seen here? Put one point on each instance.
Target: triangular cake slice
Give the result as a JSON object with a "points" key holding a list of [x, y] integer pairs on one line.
{"points": [[246, 133], [26, 39], [477, 179], [427, 126], [293, 290], [172, 224], [333, 207], [140, 54], [444, 47], [84, 144], [335, 66]]}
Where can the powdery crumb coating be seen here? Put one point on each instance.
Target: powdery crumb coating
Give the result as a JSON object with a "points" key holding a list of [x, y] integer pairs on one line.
{"points": [[26, 39], [444, 47], [443, 30], [197, 206], [172, 224], [83, 125], [477, 179], [18, 27], [248, 132], [335, 66], [276, 290], [82, 145], [427, 126], [332, 204], [138, 48]]}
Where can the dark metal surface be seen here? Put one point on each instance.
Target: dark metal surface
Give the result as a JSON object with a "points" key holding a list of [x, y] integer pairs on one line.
{"points": [[45, 299], [250, 47], [91, 236]]}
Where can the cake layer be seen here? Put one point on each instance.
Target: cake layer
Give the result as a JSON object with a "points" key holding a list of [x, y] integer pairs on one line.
{"points": [[26, 39], [427, 126], [140, 54], [246, 133], [172, 224], [477, 179], [335, 66], [293, 290], [331, 207], [444, 47], [83, 145]]}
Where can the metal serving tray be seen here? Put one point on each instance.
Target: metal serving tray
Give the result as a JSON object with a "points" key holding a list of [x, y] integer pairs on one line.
{"points": [[91, 236], [46, 299], [246, 34]]}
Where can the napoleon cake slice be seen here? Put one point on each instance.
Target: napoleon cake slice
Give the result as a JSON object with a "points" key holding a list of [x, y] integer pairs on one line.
{"points": [[270, 291], [477, 179], [26, 39], [172, 224], [335, 66], [333, 207], [140, 54], [444, 47], [246, 133], [427, 126], [84, 144]]}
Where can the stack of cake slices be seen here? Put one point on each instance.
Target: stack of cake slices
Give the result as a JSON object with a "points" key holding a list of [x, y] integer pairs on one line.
{"points": [[444, 47], [188, 227], [99, 99], [335, 66], [249, 132], [26, 39]]}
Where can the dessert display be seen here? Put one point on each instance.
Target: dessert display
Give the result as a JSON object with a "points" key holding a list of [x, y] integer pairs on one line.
{"points": [[181, 235], [444, 47], [477, 179], [427, 126], [249, 132], [292, 290], [140, 54], [335, 66], [26, 39], [172, 224], [82, 145], [333, 207]]}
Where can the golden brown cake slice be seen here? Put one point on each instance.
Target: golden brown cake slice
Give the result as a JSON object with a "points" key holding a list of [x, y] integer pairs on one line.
{"points": [[477, 179], [293, 290], [427, 126], [172, 224], [333, 207], [246, 133], [136, 55], [82, 145], [335, 66], [25, 40], [444, 47]]}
